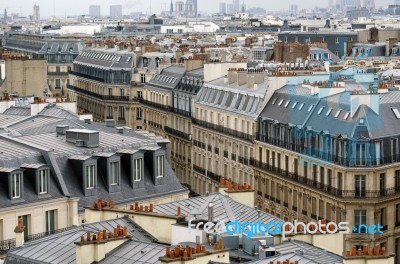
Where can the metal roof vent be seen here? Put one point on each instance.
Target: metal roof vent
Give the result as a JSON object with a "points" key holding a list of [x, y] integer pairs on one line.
{"points": [[61, 129], [110, 122], [83, 137], [87, 120], [120, 130]]}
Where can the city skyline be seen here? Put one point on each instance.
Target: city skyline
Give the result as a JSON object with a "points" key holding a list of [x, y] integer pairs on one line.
{"points": [[49, 8]]}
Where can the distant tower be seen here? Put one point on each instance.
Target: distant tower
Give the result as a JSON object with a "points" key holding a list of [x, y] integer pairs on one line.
{"points": [[171, 8], [243, 7], [36, 13], [5, 14]]}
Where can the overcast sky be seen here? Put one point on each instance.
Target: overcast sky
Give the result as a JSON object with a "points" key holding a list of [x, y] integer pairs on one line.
{"points": [[79, 7]]}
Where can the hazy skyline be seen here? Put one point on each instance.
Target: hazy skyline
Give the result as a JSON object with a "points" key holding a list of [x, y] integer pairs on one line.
{"points": [[79, 7]]}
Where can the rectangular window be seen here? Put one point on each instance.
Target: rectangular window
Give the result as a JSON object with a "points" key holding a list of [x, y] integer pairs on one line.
{"points": [[142, 78], [360, 217], [89, 174], [110, 93], [382, 183], [114, 173], [397, 215], [305, 169], [340, 181], [397, 180], [122, 92], [109, 112], [16, 185], [43, 176], [359, 185], [361, 154], [50, 222], [138, 170], [121, 113], [160, 166], [138, 113], [139, 94]]}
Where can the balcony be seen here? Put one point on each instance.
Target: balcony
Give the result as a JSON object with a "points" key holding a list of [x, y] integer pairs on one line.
{"points": [[244, 161], [310, 183], [154, 124], [209, 148], [216, 150], [224, 130], [154, 105], [44, 234], [63, 74], [233, 156], [304, 212], [286, 204], [199, 144], [96, 95], [312, 151], [6, 245], [213, 176], [198, 169], [294, 208], [86, 76], [178, 133]]}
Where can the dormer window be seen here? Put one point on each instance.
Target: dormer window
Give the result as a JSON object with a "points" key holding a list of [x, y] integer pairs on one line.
{"points": [[89, 176], [43, 181], [16, 185], [138, 169], [114, 173], [160, 166]]}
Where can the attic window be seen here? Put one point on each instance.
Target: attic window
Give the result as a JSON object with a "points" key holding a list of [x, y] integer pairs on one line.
{"points": [[329, 111], [294, 105], [16, 185], [310, 108], [396, 112], [346, 116], [160, 166], [301, 106], [128, 59], [320, 110], [43, 181], [118, 59], [361, 121], [89, 175], [273, 102], [287, 103], [337, 113], [280, 102]]}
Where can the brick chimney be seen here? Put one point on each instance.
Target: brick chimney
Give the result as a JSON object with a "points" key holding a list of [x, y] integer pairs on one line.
{"points": [[19, 233], [93, 247]]}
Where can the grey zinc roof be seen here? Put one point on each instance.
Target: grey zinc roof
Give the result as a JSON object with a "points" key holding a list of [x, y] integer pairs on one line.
{"points": [[304, 252], [56, 111], [225, 209], [18, 110], [140, 252], [106, 58], [242, 101], [60, 248], [168, 78], [290, 105]]}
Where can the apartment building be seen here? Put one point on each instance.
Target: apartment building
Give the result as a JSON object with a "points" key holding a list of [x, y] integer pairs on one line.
{"points": [[53, 165], [224, 125], [59, 53], [330, 150]]}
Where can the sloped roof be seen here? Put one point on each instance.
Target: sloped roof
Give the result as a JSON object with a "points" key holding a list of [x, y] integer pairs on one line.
{"points": [[225, 209], [60, 248], [301, 251]]}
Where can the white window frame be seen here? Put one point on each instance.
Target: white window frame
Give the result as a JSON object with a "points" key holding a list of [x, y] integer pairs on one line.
{"points": [[90, 171], [160, 166], [114, 173], [43, 181], [138, 169], [16, 185]]}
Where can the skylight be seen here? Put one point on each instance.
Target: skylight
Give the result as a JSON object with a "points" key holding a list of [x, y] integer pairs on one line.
{"points": [[320, 110], [280, 102], [287, 103], [396, 112], [294, 105], [301, 106], [346, 116], [337, 113], [310, 108], [273, 102], [329, 111]]}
